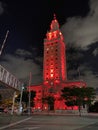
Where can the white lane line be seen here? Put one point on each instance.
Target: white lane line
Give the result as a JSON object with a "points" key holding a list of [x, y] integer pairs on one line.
{"points": [[31, 128], [12, 124]]}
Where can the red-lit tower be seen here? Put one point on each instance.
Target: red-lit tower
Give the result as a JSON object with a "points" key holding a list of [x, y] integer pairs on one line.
{"points": [[54, 65], [54, 71]]}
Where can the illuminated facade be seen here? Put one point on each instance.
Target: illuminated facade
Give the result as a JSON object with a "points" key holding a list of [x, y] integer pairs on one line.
{"points": [[54, 55], [54, 70]]}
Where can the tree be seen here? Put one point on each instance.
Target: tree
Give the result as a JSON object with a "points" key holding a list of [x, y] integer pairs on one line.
{"points": [[50, 101], [93, 107], [25, 97], [33, 94], [67, 94], [90, 95], [78, 96]]}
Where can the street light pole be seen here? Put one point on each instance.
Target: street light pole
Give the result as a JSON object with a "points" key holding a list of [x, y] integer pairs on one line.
{"points": [[29, 111], [79, 72], [20, 103]]}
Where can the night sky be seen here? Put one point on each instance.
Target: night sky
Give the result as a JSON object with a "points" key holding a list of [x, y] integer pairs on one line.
{"points": [[28, 22]]}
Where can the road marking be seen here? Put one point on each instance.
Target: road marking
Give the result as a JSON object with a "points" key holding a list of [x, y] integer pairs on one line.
{"points": [[30, 128], [12, 124]]}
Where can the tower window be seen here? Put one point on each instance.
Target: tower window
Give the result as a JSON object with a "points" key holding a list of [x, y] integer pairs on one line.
{"points": [[52, 70], [55, 42], [47, 49], [51, 75], [50, 36]]}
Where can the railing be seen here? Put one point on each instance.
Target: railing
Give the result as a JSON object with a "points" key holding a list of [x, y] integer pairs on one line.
{"points": [[9, 79]]}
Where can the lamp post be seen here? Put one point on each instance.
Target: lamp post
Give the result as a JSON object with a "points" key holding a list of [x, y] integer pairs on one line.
{"points": [[20, 103], [29, 111]]}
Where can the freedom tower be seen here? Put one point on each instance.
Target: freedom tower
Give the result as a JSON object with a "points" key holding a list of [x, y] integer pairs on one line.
{"points": [[54, 70]]}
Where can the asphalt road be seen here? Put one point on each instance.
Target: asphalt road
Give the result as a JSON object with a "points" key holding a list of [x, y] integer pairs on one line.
{"points": [[90, 127], [41, 122]]}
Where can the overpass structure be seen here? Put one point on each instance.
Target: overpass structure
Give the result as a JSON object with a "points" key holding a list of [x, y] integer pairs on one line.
{"points": [[8, 83]]}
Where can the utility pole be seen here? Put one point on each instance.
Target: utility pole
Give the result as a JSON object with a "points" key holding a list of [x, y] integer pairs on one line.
{"points": [[20, 103], [79, 73], [4, 42], [29, 109]]}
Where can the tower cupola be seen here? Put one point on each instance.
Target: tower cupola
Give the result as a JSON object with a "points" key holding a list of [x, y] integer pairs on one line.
{"points": [[54, 24]]}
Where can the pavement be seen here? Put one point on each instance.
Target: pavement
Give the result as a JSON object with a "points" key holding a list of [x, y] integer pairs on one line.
{"points": [[75, 120], [6, 119]]}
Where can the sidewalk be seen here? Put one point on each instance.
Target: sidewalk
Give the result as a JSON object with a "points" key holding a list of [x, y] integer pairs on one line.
{"points": [[70, 113]]}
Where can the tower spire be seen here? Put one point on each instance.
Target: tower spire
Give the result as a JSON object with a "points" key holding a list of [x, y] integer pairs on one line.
{"points": [[54, 16], [54, 24]]}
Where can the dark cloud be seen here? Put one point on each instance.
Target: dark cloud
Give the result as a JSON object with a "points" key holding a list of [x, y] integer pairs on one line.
{"points": [[82, 31], [1, 8], [80, 34], [20, 67]]}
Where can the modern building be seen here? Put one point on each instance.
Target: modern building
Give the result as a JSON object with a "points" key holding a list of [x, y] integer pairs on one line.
{"points": [[54, 70]]}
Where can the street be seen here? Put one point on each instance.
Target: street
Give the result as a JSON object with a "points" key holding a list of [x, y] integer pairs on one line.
{"points": [[90, 127], [43, 122]]}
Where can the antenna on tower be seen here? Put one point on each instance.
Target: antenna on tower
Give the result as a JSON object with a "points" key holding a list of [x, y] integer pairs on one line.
{"points": [[54, 16], [4, 42]]}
